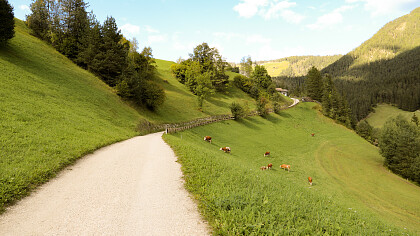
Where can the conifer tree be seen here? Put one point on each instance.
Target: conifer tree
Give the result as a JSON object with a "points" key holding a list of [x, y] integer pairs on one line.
{"points": [[7, 26], [38, 20], [314, 84]]}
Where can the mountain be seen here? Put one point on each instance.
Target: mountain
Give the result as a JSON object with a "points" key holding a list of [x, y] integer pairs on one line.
{"points": [[384, 69], [296, 66]]}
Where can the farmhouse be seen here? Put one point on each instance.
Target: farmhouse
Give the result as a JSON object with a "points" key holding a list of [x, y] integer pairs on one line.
{"points": [[282, 91]]}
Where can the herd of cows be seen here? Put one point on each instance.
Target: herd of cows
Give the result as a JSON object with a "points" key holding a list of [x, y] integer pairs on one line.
{"points": [[266, 154]]}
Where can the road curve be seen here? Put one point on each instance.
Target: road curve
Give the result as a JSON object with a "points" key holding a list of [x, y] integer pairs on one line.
{"points": [[129, 188]]}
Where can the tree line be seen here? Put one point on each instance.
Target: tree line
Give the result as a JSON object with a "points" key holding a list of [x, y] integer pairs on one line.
{"points": [[99, 48]]}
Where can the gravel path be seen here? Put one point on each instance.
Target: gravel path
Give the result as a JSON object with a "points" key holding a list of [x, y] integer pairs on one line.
{"points": [[130, 188]]}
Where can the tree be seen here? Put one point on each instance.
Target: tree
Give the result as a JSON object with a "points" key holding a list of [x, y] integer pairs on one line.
{"points": [[262, 106], [7, 26], [38, 20], [204, 88], [237, 110], [364, 130], [314, 84], [246, 66], [400, 145], [261, 77]]}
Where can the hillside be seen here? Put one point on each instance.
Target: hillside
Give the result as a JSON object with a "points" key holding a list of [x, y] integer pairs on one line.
{"points": [[53, 112], [296, 66], [383, 112], [237, 198], [384, 69], [179, 98]]}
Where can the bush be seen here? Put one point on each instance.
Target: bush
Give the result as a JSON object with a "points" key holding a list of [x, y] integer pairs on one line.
{"points": [[237, 110], [7, 26], [400, 145], [151, 94], [262, 106], [364, 130]]}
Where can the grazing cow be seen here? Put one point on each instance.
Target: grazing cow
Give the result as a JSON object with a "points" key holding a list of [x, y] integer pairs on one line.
{"points": [[284, 166], [207, 138], [313, 134], [263, 167], [225, 149], [310, 180], [266, 154], [269, 166]]}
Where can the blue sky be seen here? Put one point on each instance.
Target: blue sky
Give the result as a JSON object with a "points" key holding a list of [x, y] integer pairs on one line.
{"points": [[263, 29]]}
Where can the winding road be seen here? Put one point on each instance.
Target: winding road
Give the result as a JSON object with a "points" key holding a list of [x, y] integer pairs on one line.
{"points": [[134, 187]]}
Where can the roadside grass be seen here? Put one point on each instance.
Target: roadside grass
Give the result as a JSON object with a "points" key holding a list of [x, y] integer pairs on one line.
{"points": [[383, 112], [276, 68], [181, 105], [51, 113], [352, 194]]}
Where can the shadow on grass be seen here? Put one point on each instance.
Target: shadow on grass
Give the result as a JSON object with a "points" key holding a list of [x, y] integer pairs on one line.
{"points": [[248, 123], [284, 114]]}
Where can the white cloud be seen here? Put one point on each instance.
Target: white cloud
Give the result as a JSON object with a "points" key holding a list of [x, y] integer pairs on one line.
{"points": [[330, 19], [256, 38], [248, 8], [24, 8], [130, 30], [150, 29], [386, 7], [156, 38], [269, 9]]}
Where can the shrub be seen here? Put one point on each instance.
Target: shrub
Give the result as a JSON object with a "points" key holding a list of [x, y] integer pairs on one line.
{"points": [[262, 106], [237, 110]]}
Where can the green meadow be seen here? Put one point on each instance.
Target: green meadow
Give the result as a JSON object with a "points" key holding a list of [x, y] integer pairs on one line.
{"points": [[276, 68], [383, 112], [52, 112], [352, 193]]}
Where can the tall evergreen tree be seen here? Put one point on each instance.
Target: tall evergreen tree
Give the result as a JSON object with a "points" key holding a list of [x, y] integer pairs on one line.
{"points": [[113, 54], [314, 84], [261, 77], [38, 21], [7, 26]]}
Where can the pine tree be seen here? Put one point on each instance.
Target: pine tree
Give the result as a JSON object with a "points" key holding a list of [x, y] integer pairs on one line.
{"points": [[38, 20], [314, 84], [7, 26]]}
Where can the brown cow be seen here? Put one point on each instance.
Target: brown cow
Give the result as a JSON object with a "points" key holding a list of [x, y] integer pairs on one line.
{"points": [[310, 180], [266, 154], [313, 134], [225, 149], [263, 167], [284, 166], [269, 166], [207, 138]]}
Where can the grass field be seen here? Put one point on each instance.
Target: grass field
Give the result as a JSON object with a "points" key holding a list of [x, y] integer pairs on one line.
{"points": [[352, 194], [179, 98], [383, 112], [275, 68]]}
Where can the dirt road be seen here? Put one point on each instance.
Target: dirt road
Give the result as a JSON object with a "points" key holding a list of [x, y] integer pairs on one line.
{"points": [[129, 188]]}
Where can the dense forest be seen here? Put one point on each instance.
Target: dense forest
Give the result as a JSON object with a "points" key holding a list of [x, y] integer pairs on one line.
{"points": [[99, 48], [384, 69]]}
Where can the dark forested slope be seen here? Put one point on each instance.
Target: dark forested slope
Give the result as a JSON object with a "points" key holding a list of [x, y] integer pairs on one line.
{"points": [[384, 69]]}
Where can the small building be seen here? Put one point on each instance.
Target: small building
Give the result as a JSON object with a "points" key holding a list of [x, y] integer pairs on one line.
{"points": [[282, 91]]}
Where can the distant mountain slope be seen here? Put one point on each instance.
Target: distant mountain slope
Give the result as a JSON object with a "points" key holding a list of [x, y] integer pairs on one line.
{"points": [[384, 69], [296, 66]]}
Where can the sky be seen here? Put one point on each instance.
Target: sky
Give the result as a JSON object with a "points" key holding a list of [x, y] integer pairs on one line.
{"points": [[262, 29]]}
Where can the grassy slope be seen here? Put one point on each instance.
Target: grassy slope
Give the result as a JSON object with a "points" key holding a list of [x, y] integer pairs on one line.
{"points": [[179, 98], [383, 112], [52, 112], [352, 193]]}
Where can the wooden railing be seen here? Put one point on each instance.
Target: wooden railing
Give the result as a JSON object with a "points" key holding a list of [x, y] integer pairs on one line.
{"points": [[146, 127]]}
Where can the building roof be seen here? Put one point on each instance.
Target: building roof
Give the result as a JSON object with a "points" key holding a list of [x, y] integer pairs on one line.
{"points": [[281, 90]]}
